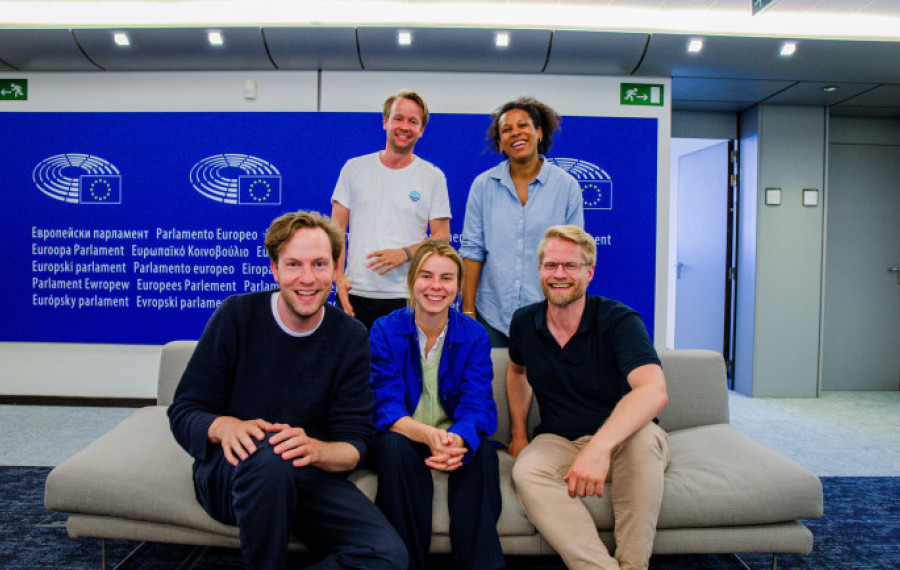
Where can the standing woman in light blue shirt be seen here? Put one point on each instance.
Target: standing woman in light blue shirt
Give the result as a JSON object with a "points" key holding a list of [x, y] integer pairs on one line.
{"points": [[509, 208]]}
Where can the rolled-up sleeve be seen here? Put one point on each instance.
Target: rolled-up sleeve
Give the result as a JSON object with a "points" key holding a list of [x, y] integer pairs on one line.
{"points": [[472, 240]]}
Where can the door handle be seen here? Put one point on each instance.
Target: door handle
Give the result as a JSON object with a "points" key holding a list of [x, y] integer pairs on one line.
{"points": [[896, 269], [679, 265]]}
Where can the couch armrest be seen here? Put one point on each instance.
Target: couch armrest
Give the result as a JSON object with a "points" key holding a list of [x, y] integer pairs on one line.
{"points": [[698, 389]]}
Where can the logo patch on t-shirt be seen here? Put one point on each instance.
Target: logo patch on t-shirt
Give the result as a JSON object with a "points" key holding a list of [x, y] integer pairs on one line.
{"points": [[415, 196]]}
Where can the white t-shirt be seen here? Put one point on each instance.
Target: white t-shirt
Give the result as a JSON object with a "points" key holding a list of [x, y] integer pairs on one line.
{"points": [[389, 209]]}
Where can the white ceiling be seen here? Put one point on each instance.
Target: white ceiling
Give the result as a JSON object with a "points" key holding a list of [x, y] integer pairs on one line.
{"points": [[877, 19], [851, 45]]}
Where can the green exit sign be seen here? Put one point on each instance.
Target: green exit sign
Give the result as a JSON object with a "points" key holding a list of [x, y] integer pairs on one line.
{"points": [[757, 6], [13, 89], [641, 94]]}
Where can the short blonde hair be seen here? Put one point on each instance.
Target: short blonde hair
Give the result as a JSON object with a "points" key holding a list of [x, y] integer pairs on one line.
{"points": [[575, 235], [405, 94], [428, 248]]}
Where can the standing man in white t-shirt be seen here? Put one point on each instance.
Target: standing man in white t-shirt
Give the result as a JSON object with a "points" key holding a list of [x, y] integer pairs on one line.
{"points": [[391, 200]]}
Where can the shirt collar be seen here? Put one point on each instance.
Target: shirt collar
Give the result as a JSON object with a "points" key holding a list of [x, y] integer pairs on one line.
{"points": [[501, 173], [455, 332], [284, 327], [423, 341], [588, 317]]}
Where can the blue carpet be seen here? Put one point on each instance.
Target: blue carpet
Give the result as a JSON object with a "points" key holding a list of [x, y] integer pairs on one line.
{"points": [[859, 530]]}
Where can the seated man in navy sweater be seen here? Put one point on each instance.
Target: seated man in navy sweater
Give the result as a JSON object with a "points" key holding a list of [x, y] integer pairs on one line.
{"points": [[274, 409]]}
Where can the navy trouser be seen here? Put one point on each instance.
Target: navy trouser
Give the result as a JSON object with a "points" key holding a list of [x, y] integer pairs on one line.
{"points": [[405, 493], [267, 498], [498, 338], [369, 310]]}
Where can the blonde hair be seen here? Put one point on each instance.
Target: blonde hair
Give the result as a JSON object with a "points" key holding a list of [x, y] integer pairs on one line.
{"points": [[428, 248], [573, 234], [405, 94]]}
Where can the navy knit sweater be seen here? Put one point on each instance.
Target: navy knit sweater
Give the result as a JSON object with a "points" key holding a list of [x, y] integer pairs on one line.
{"points": [[246, 366]]}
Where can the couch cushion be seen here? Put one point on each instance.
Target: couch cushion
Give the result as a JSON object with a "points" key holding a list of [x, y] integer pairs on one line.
{"points": [[136, 471], [719, 476]]}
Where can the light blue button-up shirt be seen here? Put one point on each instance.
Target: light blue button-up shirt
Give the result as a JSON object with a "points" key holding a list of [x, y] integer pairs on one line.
{"points": [[504, 235]]}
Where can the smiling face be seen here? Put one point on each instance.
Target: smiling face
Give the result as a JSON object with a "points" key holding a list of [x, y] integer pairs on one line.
{"points": [[518, 136], [560, 287], [436, 285], [304, 272], [404, 125]]}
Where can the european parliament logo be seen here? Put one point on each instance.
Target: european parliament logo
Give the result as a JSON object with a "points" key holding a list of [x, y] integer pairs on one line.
{"points": [[238, 179], [100, 189], [78, 179], [596, 184], [259, 190]]}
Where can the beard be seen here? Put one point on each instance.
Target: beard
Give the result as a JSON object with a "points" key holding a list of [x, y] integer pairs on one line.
{"points": [[563, 297], [302, 310]]}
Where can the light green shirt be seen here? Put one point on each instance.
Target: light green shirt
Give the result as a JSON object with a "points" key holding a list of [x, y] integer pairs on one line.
{"points": [[429, 410]]}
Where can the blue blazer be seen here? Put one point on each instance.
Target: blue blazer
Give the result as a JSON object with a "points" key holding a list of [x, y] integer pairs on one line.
{"points": [[464, 375]]}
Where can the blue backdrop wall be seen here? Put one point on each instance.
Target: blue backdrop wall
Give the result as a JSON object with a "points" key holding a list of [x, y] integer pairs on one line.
{"points": [[132, 227]]}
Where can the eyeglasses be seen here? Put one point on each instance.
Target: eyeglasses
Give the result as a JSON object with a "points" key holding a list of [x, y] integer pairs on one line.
{"points": [[569, 267]]}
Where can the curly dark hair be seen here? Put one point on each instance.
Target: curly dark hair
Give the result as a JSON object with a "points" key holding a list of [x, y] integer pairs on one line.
{"points": [[542, 115]]}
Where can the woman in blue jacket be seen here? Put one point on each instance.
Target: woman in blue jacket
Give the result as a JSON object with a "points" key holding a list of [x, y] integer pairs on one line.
{"points": [[434, 409]]}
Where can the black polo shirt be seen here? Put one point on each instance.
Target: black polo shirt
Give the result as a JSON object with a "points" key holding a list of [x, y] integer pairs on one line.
{"points": [[578, 386]]}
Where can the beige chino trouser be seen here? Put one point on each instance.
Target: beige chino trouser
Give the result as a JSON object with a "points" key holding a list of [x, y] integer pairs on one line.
{"points": [[636, 472]]}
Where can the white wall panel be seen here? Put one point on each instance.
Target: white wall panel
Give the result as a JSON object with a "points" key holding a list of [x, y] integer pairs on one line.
{"points": [[168, 92]]}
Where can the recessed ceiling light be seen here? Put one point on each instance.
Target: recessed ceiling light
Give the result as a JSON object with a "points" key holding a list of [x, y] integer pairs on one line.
{"points": [[830, 88], [788, 48], [502, 39], [404, 38], [121, 39], [695, 46], [215, 38]]}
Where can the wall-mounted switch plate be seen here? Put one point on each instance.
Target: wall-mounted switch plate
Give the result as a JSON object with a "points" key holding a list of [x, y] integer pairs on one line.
{"points": [[811, 197]]}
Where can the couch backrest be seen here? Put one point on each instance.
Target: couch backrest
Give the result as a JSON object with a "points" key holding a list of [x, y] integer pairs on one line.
{"points": [[695, 380], [500, 357], [172, 362], [698, 389]]}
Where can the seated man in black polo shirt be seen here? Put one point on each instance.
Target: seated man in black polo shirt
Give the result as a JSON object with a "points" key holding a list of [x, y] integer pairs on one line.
{"points": [[599, 386]]}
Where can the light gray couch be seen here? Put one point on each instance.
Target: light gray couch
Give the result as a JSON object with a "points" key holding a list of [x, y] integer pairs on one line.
{"points": [[724, 493]]}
